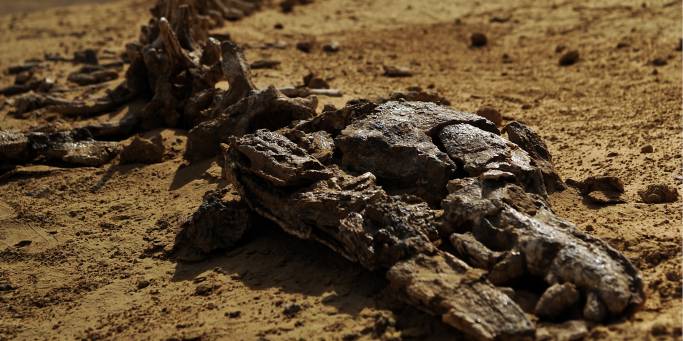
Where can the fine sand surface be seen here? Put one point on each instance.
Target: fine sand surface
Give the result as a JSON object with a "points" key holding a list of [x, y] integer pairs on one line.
{"points": [[96, 268]]}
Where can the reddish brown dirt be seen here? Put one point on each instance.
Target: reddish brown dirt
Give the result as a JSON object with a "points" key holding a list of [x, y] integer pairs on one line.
{"points": [[94, 267]]}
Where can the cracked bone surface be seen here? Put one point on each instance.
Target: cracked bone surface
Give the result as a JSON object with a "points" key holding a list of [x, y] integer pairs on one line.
{"points": [[406, 179], [74, 148]]}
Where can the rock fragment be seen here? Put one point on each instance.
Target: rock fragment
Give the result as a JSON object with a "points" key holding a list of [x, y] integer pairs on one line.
{"points": [[569, 58], [557, 299], [478, 39], [658, 194], [87, 56], [397, 71], [491, 114], [219, 223], [646, 149], [142, 150], [265, 64], [331, 47], [305, 46], [603, 190]]}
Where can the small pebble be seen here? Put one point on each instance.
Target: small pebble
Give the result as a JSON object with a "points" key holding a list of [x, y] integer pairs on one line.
{"points": [[478, 39], [491, 114], [331, 47], [647, 149], [569, 58]]}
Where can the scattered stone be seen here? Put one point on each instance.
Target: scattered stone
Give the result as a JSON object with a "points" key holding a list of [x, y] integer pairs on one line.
{"points": [[569, 58], [659, 61], [5, 286], [622, 45], [602, 190], [659, 329], [499, 19], [416, 94], [647, 149], [23, 243], [219, 223], [312, 81], [491, 114], [560, 47], [396, 71], [87, 56], [90, 74], [478, 39], [506, 59], [278, 26], [28, 66], [287, 6], [659, 194], [143, 283], [331, 47], [292, 310], [679, 47], [557, 299], [233, 314], [205, 289], [305, 46], [265, 64], [142, 150]]}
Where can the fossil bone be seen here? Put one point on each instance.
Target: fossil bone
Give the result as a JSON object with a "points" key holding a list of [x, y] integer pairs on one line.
{"points": [[489, 200]]}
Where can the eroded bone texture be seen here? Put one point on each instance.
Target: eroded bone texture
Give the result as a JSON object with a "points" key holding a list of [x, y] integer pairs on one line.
{"points": [[456, 214], [75, 148]]}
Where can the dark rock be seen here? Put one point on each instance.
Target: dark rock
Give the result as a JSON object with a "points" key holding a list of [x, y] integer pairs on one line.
{"points": [[604, 190], [87, 56], [205, 289], [594, 310], [265, 64], [305, 46], [569, 58], [233, 314], [396, 71], [419, 95], [331, 47], [292, 310], [312, 81], [658, 61], [23, 243], [556, 300], [219, 223], [490, 114], [647, 149], [658, 194], [142, 150], [478, 39], [531, 142]]}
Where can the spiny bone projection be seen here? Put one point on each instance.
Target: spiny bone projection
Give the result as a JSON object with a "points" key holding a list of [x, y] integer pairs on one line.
{"points": [[456, 214]]}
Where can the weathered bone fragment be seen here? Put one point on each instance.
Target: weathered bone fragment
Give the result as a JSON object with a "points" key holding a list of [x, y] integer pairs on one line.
{"points": [[243, 108], [532, 143], [75, 148], [395, 142], [91, 74], [498, 221]]}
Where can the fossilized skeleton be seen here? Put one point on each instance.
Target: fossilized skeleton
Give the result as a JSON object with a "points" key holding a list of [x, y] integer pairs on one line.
{"points": [[456, 214]]}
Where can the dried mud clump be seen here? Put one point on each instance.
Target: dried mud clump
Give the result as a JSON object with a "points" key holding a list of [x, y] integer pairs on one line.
{"points": [[456, 214]]}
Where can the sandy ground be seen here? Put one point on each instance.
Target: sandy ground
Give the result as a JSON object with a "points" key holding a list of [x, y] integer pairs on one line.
{"points": [[96, 268]]}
